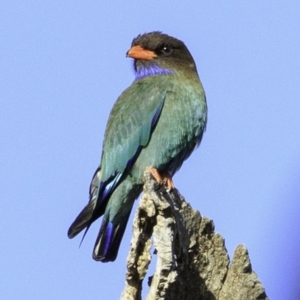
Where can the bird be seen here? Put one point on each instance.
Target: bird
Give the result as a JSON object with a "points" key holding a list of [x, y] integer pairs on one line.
{"points": [[155, 124]]}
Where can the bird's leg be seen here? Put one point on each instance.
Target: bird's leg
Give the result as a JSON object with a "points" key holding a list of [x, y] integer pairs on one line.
{"points": [[162, 178]]}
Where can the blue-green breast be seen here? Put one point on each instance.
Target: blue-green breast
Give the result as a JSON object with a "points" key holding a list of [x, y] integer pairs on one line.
{"points": [[180, 126]]}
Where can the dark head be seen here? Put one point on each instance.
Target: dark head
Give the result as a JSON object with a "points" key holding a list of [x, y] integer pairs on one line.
{"points": [[156, 53]]}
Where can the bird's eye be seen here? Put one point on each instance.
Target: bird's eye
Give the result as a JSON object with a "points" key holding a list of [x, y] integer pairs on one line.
{"points": [[166, 49]]}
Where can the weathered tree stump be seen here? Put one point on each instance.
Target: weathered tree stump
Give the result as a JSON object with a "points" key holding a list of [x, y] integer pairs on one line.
{"points": [[192, 261]]}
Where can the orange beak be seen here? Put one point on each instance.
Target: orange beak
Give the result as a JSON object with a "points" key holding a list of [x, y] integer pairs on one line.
{"points": [[137, 52]]}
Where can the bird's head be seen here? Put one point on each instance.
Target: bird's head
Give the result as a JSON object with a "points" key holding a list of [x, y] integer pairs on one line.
{"points": [[156, 53]]}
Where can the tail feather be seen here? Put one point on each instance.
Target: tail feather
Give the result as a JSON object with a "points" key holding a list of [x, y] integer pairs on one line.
{"points": [[113, 200], [109, 239], [83, 220], [99, 192]]}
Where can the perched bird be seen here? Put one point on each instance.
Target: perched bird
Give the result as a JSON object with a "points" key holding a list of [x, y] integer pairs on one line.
{"points": [[157, 122]]}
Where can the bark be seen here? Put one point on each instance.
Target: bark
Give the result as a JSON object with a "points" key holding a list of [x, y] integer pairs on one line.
{"points": [[191, 259]]}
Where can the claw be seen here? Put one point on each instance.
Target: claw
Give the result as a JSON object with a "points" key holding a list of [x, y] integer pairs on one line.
{"points": [[162, 177]]}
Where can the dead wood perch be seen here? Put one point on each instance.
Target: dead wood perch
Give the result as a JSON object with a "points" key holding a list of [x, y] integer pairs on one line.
{"points": [[192, 261]]}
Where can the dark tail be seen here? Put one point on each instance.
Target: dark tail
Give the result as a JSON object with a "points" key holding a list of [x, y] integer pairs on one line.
{"points": [[99, 193], [109, 238], [113, 200], [83, 220]]}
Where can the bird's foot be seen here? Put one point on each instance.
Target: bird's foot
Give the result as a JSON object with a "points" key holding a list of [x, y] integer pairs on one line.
{"points": [[162, 178]]}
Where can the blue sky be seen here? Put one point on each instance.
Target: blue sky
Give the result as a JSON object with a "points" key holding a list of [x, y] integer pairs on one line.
{"points": [[62, 67]]}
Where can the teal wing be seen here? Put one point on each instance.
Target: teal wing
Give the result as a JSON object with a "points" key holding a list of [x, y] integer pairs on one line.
{"points": [[131, 122], [129, 128]]}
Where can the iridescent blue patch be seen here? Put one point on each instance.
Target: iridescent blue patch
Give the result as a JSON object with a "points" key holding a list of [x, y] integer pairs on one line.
{"points": [[108, 237], [151, 70]]}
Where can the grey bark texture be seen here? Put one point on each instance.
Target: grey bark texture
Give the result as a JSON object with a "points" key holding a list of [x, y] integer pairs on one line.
{"points": [[191, 259]]}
